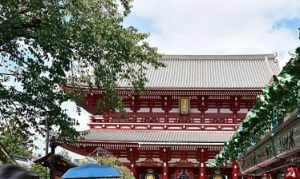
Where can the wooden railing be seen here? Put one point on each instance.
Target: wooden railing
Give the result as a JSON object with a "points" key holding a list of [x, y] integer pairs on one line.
{"points": [[171, 118]]}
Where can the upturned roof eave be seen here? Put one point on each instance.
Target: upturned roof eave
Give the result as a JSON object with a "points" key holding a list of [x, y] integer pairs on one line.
{"points": [[139, 143], [86, 87]]}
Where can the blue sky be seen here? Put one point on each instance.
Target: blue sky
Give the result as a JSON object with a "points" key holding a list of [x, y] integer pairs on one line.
{"points": [[288, 23], [142, 24]]}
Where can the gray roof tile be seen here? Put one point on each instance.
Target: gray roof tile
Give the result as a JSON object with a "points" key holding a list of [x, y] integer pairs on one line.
{"points": [[213, 71], [158, 136]]}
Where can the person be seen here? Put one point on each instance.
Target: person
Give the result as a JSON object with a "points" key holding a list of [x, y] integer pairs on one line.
{"points": [[16, 172]]}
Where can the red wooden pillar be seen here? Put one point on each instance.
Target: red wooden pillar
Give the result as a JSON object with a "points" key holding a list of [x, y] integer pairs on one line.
{"points": [[165, 170], [235, 107], [105, 117], [202, 106], [133, 169], [132, 157], [202, 168], [202, 157], [235, 170], [165, 158]]}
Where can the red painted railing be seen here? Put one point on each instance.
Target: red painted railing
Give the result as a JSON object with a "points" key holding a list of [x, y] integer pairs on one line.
{"points": [[160, 117]]}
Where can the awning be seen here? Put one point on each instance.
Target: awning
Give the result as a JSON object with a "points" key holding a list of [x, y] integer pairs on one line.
{"points": [[92, 171]]}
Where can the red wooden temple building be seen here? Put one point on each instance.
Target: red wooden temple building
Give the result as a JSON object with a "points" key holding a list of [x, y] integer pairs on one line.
{"points": [[182, 118]]}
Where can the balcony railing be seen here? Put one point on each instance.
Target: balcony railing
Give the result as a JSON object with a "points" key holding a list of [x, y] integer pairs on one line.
{"points": [[171, 118]]}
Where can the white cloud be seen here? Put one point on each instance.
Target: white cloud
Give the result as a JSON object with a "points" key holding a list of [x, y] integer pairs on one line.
{"points": [[220, 27], [83, 117]]}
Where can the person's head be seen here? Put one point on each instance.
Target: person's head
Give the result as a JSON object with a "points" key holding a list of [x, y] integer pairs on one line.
{"points": [[15, 172]]}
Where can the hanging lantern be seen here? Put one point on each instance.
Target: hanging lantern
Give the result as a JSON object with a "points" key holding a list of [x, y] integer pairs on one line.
{"points": [[292, 173]]}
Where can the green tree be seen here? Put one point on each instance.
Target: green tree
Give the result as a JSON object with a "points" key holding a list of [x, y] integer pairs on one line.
{"points": [[48, 44], [65, 155], [113, 161], [4, 156], [40, 170], [14, 141]]}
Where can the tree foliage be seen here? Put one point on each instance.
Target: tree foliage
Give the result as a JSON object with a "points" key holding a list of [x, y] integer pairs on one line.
{"points": [[65, 155], [47, 44], [4, 156], [113, 161], [40, 170], [15, 143]]}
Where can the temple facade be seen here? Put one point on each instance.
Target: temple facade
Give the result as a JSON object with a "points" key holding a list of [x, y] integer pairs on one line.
{"points": [[181, 120]]}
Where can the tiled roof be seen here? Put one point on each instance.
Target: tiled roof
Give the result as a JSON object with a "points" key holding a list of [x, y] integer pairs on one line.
{"points": [[158, 136], [213, 71]]}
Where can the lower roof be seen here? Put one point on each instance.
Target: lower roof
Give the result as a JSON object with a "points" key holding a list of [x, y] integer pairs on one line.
{"points": [[158, 136]]}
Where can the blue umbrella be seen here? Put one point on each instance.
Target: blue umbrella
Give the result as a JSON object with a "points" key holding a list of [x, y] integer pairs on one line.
{"points": [[91, 171]]}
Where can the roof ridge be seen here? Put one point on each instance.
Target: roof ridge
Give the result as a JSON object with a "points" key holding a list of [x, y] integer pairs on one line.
{"points": [[221, 56]]}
